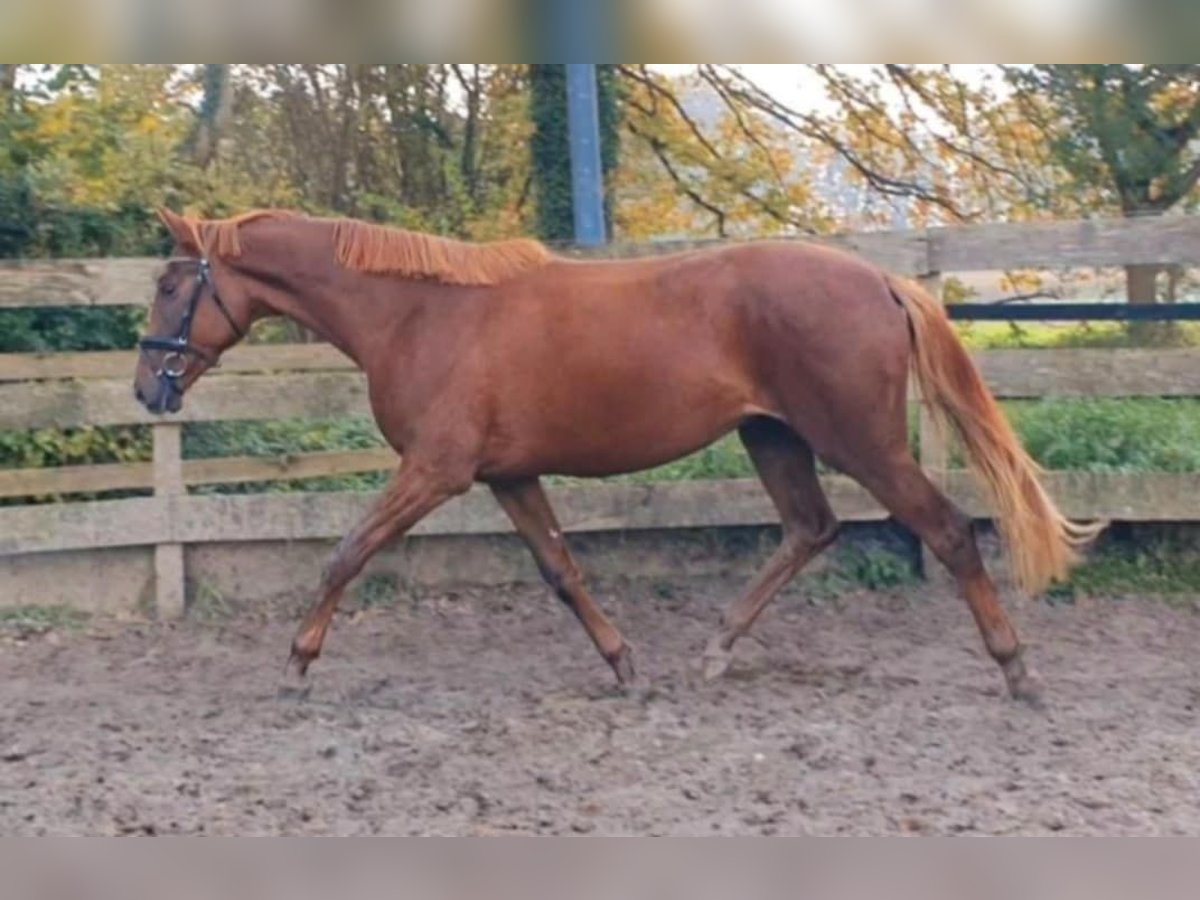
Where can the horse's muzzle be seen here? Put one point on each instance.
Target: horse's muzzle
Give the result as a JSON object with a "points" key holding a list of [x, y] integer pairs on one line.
{"points": [[165, 398]]}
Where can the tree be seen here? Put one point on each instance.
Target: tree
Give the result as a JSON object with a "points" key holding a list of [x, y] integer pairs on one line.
{"points": [[441, 147], [1006, 143], [550, 151], [1127, 131], [214, 113], [738, 170], [550, 146], [919, 137]]}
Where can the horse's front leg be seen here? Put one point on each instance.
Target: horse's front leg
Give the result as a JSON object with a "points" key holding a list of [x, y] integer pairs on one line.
{"points": [[412, 493]]}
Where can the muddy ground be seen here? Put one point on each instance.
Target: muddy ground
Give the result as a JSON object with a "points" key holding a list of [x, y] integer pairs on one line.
{"points": [[488, 713]]}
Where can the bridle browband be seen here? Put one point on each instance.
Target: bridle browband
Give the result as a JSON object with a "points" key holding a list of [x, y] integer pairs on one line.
{"points": [[178, 350]]}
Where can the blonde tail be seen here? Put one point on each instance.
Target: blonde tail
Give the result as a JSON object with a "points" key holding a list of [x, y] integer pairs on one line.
{"points": [[1042, 543]]}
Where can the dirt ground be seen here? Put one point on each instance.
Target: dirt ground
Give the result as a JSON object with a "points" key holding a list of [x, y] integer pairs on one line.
{"points": [[489, 713]]}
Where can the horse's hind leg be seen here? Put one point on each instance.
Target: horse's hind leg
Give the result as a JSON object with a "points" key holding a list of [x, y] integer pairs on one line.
{"points": [[526, 505], [899, 483], [786, 467]]}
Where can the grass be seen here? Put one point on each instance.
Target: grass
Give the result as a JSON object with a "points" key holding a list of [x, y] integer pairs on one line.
{"points": [[858, 567], [209, 605], [1098, 435], [1041, 335], [1154, 561], [1166, 565], [1111, 435], [1128, 435], [379, 590], [29, 619], [1095, 435], [284, 437]]}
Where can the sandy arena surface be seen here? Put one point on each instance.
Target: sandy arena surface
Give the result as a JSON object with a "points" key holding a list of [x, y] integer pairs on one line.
{"points": [[489, 713]]}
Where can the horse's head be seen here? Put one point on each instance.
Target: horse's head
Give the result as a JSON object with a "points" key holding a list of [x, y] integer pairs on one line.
{"points": [[200, 309]]}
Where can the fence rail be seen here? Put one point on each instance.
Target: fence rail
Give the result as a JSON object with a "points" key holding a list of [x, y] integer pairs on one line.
{"points": [[69, 390], [1099, 243], [1075, 312]]}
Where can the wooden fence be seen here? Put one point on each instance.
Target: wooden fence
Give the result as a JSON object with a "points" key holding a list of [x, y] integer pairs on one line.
{"points": [[67, 390]]}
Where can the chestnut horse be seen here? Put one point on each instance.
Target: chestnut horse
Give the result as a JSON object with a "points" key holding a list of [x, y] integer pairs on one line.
{"points": [[499, 363]]}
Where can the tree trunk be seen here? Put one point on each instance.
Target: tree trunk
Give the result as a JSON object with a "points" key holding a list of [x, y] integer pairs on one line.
{"points": [[1141, 289], [550, 150], [8, 86], [214, 115]]}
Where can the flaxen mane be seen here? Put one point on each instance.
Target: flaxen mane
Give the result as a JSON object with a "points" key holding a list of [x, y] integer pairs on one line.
{"points": [[378, 248], [219, 237], [367, 247]]}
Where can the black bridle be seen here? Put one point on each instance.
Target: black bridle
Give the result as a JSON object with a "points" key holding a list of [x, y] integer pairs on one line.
{"points": [[178, 350]]}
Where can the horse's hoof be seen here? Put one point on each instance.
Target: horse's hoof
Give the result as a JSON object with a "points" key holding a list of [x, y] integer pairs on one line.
{"points": [[622, 666], [1024, 685], [717, 659], [294, 693], [301, 657], [294, 685]]}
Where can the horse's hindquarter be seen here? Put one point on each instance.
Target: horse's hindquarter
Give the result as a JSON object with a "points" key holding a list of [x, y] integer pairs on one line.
{"points": [[604, 368]]}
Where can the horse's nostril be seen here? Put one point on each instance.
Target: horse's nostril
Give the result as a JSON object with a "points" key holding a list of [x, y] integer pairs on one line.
{"points": [[137, 392]]}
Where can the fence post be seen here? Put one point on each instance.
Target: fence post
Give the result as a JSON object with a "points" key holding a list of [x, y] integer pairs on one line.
{"points": [[934, 450], [168, 557]]}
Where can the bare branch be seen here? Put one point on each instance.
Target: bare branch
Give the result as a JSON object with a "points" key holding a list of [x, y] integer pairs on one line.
{"points": [[659, 150], [743, 90]]}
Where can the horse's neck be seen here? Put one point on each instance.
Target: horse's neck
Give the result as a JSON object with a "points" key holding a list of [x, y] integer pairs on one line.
{"points": [[323, 312], [342, 311], [339, 305]]}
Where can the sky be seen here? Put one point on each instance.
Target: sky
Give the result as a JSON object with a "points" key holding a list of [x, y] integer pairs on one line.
{"points": [[794, 85]]}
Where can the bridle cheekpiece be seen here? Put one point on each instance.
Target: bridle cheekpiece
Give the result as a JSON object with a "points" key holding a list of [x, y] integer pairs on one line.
{"points": [[177, 351]]}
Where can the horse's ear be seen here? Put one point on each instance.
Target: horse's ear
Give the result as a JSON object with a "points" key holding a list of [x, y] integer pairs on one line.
{"points": [[181, 230]]}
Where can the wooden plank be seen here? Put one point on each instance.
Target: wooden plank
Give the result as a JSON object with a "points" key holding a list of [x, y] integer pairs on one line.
{"points": [[242, 469], [904, 252], [898, 251], [48, 482], [1005, 245], [223, 470], [168, 459], [169, 587], [1086, 243], [121, 363], [598, 507], [1118, 496], [1092, 373], [78, 282], [1144, 497], [135, 522], [116, 282], [315, 516], [70, 404], [320, 394]]}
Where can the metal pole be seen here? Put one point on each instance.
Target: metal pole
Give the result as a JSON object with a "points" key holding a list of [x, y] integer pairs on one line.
{"points": [[587, 180]]}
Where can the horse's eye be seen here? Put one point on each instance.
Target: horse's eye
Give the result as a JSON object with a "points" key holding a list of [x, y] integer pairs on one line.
{"points": [[168, 289]]}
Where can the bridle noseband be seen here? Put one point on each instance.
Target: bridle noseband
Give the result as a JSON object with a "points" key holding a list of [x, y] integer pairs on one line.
{"points": [[178, 350]]}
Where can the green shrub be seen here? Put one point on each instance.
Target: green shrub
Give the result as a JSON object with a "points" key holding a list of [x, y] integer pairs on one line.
{"points": [[284, 437], [1032, 335], [1166, 565], [1111, 435]]}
